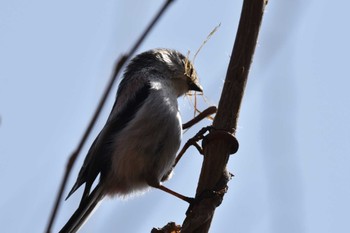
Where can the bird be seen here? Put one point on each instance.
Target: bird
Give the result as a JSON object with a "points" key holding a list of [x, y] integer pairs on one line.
{"points": [[137, 146]]}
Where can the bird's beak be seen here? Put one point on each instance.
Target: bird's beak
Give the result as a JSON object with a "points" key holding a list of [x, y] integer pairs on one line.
{"points": [[195, 86]]}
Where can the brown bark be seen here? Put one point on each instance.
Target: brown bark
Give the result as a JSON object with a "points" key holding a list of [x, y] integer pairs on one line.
{"points": [[214, 176]]}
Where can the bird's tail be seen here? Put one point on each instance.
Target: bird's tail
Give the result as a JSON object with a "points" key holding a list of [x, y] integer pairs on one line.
{"points": [[83, 212]]}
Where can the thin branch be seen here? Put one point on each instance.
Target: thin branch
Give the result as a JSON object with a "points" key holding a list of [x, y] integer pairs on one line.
{"points": [[120, 63], [214, 176]]}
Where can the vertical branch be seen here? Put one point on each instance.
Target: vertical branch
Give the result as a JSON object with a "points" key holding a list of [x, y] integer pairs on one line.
{"points": [[214, 175], [123, 59]]}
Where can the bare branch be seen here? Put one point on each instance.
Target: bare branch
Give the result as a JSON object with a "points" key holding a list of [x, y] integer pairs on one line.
{"points": [[213, 180], [121, 61]]}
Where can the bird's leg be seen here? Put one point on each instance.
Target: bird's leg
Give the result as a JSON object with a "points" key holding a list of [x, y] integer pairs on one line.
{"points": [[175, 194], [153, 182], [199, 136], [192, 142]]}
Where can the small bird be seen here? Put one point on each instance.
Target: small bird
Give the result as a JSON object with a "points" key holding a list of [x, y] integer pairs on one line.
{"points": [[136, 148]]}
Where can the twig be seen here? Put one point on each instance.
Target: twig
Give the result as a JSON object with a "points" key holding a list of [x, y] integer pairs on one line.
{"points": [[214, 175], [120, 63]]}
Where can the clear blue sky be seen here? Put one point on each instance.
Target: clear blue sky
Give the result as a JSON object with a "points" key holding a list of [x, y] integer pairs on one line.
{"points": [[292, 170]]}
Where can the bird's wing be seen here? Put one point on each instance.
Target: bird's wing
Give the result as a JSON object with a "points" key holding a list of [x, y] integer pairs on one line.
{"points": [[129, 100], [83, 212]]}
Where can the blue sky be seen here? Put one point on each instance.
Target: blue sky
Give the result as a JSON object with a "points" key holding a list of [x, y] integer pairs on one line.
{"points": [[292, 169]]}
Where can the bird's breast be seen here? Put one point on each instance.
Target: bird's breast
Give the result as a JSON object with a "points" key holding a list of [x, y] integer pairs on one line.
{"points": [[147, 146]]}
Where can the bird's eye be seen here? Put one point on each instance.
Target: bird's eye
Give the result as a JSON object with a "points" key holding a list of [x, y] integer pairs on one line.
{"points": [[191, 72], [188, 68]]}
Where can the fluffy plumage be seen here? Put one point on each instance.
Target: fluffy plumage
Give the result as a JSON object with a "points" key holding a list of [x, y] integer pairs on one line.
{"points": [[137, 146]]}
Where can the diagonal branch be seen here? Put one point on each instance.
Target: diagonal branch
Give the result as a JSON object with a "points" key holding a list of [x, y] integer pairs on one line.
{"points": [[214, 175], [120, 63]]}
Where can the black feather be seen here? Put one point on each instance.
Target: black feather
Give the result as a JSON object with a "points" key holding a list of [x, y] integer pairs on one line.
{"points": [[83, 212], [98, 158]]}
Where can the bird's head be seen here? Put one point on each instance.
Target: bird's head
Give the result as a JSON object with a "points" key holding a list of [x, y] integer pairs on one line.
{"points": [[170, 65]]}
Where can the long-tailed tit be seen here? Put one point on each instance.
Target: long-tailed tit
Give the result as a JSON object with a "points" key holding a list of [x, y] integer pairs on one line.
{"points": [[137, 146]]}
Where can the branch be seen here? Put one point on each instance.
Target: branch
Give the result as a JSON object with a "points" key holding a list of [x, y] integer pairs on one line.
{"points": [[214, 176], [122, 60]]}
